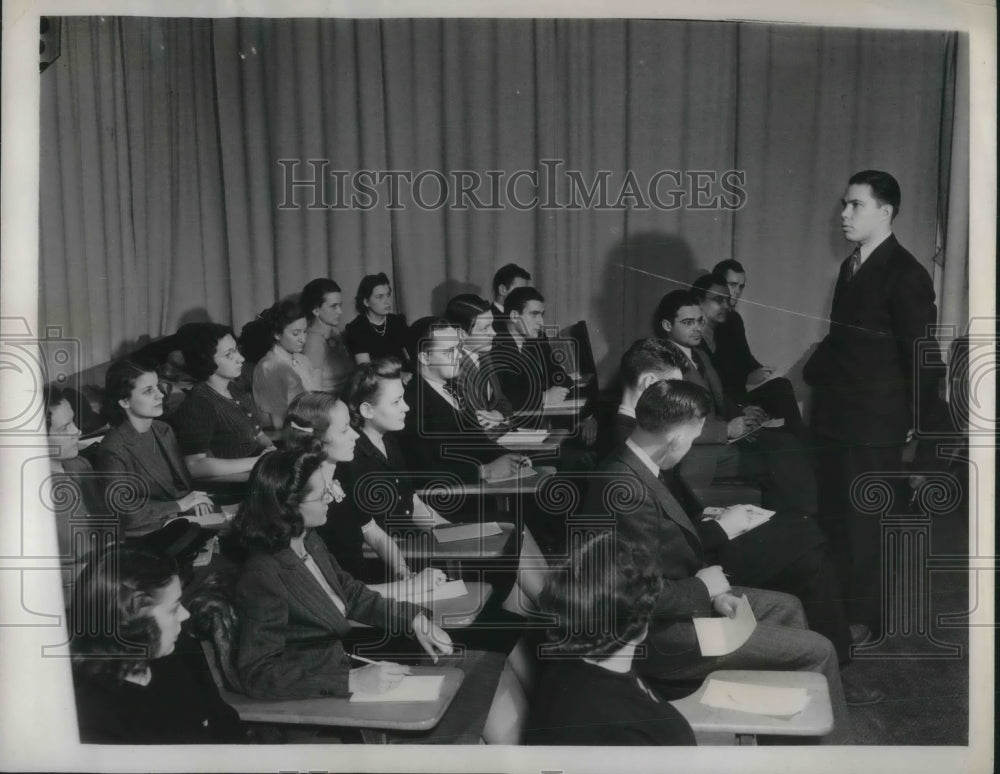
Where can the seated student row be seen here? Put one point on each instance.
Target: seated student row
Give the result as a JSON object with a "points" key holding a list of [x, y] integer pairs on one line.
{"points": [[131, 401], [267, 522]]}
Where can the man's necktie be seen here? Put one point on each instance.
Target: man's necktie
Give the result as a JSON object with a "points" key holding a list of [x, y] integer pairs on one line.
{"points": [[855, 263], [451, 386]]}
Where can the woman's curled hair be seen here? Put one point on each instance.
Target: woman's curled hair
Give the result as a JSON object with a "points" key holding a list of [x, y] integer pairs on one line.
{"points": [[602, 595], [112, 635], [198, 343], [365, 383], [308, 419], [269, 517]]}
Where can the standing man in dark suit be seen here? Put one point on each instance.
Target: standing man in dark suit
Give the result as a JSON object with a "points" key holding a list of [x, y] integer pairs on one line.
{"points": [[868, 388], [507, 278]]}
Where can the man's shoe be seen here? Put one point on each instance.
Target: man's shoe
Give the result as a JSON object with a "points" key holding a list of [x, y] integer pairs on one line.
{"points": [[861, 695], [861, 634]]}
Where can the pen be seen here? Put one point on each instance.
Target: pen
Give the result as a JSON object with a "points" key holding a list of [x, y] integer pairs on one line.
{"points": [[362, 659]]}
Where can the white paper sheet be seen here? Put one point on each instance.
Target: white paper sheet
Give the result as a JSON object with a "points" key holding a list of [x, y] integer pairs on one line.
{"points": [[759, 699], [410, 688], [719, 636], [466, 532], [523, 437], [449, 590]]}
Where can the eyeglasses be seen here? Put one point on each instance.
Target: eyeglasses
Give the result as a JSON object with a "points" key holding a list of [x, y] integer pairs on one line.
{"points": [[327, 496]]}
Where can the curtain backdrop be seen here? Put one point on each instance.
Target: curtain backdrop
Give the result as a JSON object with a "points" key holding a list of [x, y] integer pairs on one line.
{"points": [[168, 147]]}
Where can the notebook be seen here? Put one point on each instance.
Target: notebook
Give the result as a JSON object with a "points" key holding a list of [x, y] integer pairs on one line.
{"points": [[410, 688], [466, 532]]}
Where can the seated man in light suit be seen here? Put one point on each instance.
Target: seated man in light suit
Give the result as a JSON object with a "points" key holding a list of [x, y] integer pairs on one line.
{"points": [[733, 444], [669, 415]]}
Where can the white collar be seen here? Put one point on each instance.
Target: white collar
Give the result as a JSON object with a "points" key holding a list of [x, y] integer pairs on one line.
{"points": [[646, 459], [626, 411], [473, 356]]}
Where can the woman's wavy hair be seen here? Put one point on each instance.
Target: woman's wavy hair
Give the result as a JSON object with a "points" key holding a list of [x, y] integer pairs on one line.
{"points": [[366, 287], [308, 419], [119, 381], [269, 517], [112, 634], [602, 594], [198, 343], [314, 294], [366, 382], [257, 336]]}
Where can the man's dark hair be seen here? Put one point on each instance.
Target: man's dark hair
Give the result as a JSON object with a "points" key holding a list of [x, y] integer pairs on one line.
{"points": [[507, 274], [669, 304], [884, 187], [518, 298], [701, 286], [421, 334], [664, 405], [730, 264], [463, 310], [647, 356]]}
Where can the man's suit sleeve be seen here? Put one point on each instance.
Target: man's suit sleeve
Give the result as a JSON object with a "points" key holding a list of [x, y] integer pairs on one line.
{"points": [[638, 518], [913, 312]]}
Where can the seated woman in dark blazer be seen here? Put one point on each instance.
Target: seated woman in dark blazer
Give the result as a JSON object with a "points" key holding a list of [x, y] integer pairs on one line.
{"points": [[376, 331], [319, 421], [588, 694], [140, 445], [218, 425], [293, 599], [137, 680]]}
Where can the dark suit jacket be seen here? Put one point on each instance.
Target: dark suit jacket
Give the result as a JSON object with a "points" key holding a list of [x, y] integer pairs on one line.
{"points": [[732, 358], [290, 629], [437, 437], [480, 386], [647, 513], [862, 373], [125, 451], [525, 374], [371, 465], [714, 431]]}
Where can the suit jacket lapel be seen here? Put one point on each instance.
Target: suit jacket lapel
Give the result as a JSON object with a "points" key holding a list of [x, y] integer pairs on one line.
{"points": [[305, 589], [660, 493], [714, 383]]}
